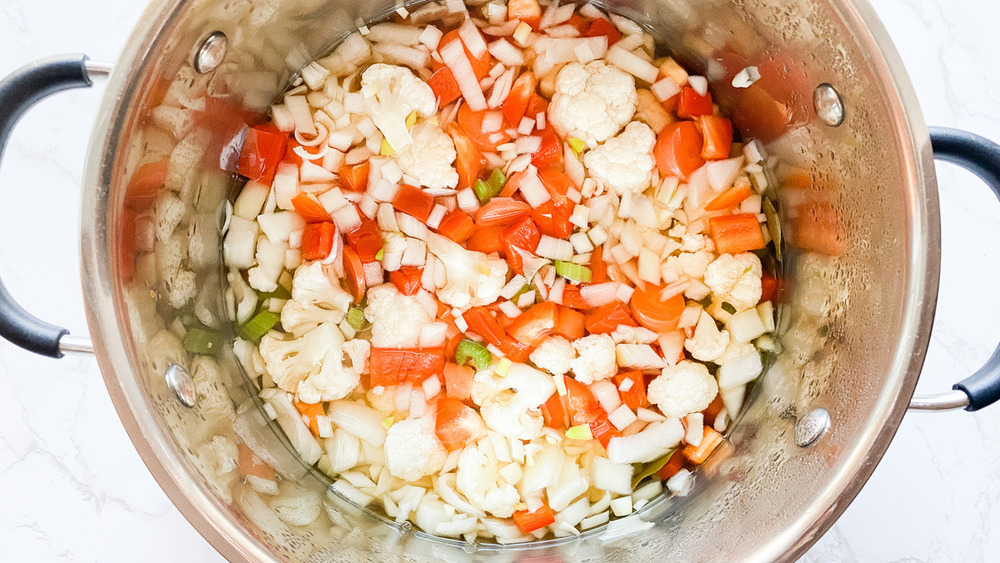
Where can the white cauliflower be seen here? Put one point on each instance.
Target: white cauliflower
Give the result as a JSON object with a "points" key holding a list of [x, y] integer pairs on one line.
{"points": [[396, 318], [430, 158], [474, 279], [708, 343], [479, 480], [412, 451], [735, 279], [682, 389], [509, 404], [554, 355], [694, 264], [592, 102], [596, 358], [315, 300], [625, 334], [312, 364], [624, 163], [390, 94]]}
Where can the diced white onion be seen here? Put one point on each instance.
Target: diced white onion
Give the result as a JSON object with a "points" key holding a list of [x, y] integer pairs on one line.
{"points": [[699, 83], [527, 145], [506, 53], [664, 89], [598, 294], [554, 248], [301, 113], [534, 192], [461, 68], [525, 127], [492, 121], [346, 218], [467, 200], [632, 64], [606, 394]]}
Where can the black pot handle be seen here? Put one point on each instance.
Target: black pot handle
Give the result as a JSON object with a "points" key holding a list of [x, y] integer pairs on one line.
{"points": [[18, 92], [982, 157]]}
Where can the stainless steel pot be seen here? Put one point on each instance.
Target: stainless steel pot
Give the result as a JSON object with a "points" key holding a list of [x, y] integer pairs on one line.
{"points": [[859, 212]]}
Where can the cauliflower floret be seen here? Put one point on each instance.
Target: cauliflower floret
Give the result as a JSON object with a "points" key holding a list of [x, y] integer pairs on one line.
{"points": [[474, 279], [694, 263], [479, 480], [624, 163], [396, 318], [596, 359], [682, 389], [430, 158], [315, 300], [735, 279], [625, 334], [312, 364], [708, 343], [554, 355], [509, 404], [592, 102], [390, 94], [412, 451]]}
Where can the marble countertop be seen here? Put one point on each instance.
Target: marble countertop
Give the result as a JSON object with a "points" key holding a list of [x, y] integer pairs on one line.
{"points": [[74, 488]]}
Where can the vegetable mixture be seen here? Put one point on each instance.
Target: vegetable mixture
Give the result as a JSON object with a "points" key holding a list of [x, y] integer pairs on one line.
{"points": [[498, 268]]}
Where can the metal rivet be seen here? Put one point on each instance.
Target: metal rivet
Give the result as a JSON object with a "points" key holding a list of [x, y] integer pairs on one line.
{"points": [[211, 52], [811, 427], [829, 106], [179, 381]]}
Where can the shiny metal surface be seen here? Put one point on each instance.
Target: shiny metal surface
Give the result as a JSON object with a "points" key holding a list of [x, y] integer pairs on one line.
{"points": [[947, 401], [811, 427], [72, 344], [97, 70], [859, 209], [828, 105], [211, 52]]}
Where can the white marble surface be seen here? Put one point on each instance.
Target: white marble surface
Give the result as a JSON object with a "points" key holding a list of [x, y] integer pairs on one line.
{"points": [[74, 489]]}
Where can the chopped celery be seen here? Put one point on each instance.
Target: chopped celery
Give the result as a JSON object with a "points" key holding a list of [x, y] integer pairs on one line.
{"points": [[523, 290], [356, 318], [580, 432], [647, 469], [572, 271], [380, 254], [280, 293], [497, 180], [472, 350], [200, 341], [577, 145], [482, 190], [728, 308], [488, 189], [258, 326]]}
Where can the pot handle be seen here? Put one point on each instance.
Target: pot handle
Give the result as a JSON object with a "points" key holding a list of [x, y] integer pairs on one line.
{"points": [[18, 92], [982, 157]]}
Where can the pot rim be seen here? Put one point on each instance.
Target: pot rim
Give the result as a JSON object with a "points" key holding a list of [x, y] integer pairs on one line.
{"points": [[109, 328]]}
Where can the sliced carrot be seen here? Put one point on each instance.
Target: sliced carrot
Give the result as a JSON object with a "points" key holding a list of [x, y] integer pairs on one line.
{"points": [[673, 465], [635, 395], [317, 240], [414, 201], [569, 324], [736, 233], [528, 522], [457, 424], [653, 312], [527, 11], [598, 268], [533, 325], [407, 279], [516, 104], [678, 149], [355, 178], [606, 318], [458, 381], [354, 271], [307, 205], [718, 133], [310, 411], [710, 439], [730, 198]]}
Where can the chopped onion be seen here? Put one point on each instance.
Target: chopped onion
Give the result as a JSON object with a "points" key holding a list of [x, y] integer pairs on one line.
{"points": [[624, 293], [279, 226], [622, 416], [430, 37], [373, 274], [671, 346], [654, 441], [612, 477], [467, 200], [722, 173], [492, 121], [527, 145], [389, 32], [598, 294], [638, 356], [510, 309], [384, 191], [501, 89], [555, 294], [558, 50], [346, 218], [534, 192], [518, 164], [522, 33], [553, 248], [368, 206], [454, 57], [506, 53], [699, 83], [301, 114], [411, 226], [632, 64], [358, 420], [436, 215], [606, 394], [664, 89], [415, 253], [525, 127]]}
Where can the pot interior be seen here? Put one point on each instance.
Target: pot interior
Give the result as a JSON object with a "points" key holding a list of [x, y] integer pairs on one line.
{"points": [[859, 215]]}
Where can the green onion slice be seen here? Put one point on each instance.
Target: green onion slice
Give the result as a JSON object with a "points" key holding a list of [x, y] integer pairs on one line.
{"points": [[472, 350], [572, 271], [258, 326]]}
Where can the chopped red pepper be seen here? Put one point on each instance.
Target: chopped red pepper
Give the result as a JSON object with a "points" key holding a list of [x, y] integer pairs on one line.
{"points": [[550, 152], [501, 211], [414, 201], [523, 234], [673, 465], [736, 233], [554, 412], [458, 380], [457, 424], [366, 239], [583, 407], [769, 288], [570, 323], [606, 318], [718, 134], [519, 97], [486, 239], [482, 322], [692, 104], [145, 184], [444, 85], [456, 225], [407, 279], [262, 151], [307, 205], [634, 396], [528, 522], [393, 366], [602, 429], [598, 268], [317, 240], [533, 325], [355, 178], [471, 123], [601, 26], [470, 160]]}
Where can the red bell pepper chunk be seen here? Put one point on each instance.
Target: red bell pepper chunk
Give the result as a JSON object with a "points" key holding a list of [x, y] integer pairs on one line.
{"points": [[573, 299], [527, 11], [458, 381], [550, 152], [533, 325], [521, 92], [456, 424], [414, 201], [486, 239], [601, 26], [634, 396], [393, 366], [501, 211], [471, 123], [673, 465], [444, 85], [515, 350], [552, 217], [407, 279], [598, 268], [718, 134], [355, 178], [554, 412], [528, 522], [366, 239], [602, 430], [145, 185], [692, 104], [317, 240], [523, 234], [769, 288], [583, 407], [262, 151], [570, 323], [456, 225], [470, 161], [307, 205], [536, 106], [251, 465], [482, 322], [606, 318]]}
